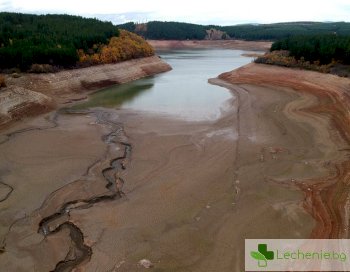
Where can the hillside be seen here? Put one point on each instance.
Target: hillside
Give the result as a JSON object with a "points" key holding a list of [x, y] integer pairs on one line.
{"points": [[182, 31], [46, 43]]}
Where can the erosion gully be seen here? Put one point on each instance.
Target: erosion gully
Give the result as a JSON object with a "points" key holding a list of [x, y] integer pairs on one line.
{"points": [[60, 220]]}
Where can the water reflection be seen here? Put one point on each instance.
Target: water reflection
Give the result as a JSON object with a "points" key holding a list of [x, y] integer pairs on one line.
{"points": [[117, 95]]}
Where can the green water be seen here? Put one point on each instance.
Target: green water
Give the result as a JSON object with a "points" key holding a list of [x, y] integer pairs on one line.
{"points": [[117, 95]]}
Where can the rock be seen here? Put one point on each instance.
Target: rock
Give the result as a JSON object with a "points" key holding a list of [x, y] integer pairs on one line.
{"points": [[146, 263]]}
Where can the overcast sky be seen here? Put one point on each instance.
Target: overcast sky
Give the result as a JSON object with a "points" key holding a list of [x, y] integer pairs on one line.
{"points": [[223, 12]]}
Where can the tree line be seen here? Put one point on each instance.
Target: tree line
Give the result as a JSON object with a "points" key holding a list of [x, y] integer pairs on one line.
{"points": [[60, 40], [318, 48], [284, 30], [182, 31], [157, 30]]}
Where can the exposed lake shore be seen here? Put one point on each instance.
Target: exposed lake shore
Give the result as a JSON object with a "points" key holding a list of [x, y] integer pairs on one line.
{"points": [[32, 94], [325, 196], [114, 187]]}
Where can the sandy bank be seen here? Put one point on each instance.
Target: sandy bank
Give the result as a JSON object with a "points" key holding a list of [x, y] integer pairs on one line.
{"points": [[227, 44], [70, 85]]}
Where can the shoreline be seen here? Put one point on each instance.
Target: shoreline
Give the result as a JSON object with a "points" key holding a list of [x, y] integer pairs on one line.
{"points": [[33, 94], [203, 187]]}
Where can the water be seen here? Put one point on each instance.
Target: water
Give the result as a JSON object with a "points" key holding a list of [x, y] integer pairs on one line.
{"points": [[183, 92]]}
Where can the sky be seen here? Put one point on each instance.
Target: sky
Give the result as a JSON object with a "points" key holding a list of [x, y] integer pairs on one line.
{"points": [[219, 12]]}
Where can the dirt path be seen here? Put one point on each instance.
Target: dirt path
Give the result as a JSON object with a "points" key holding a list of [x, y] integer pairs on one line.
{"points": [[272, 166]]}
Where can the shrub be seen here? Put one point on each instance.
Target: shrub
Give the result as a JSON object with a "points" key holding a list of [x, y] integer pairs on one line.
{"points": [[282, 58]]}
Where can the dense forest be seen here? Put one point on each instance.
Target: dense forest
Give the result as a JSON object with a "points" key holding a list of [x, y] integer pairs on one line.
{"points": [[183, 31], [167, 30], [173, 30], [320, 48], [60, 41], [284, 30]]}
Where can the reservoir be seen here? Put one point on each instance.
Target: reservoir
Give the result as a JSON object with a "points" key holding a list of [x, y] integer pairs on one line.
{"points": [[183, 92]]}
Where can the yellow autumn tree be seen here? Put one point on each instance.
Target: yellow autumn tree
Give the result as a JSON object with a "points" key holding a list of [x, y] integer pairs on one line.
{"points": [[127, 46]]}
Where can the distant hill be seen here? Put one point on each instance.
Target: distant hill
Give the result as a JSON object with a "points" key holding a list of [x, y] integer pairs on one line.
{"points": [[181, 31], [43, 43]]}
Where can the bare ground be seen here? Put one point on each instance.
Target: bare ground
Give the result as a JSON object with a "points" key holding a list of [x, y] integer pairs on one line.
{"points": [[274, 165], [326, 197]]}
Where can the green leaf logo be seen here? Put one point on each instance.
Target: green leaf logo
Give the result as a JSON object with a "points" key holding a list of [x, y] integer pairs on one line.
{"points": [[257, 255], [262, 262]]}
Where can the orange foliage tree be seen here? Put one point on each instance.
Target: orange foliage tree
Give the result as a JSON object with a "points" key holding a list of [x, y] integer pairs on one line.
{"points": [[127, 46]]}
